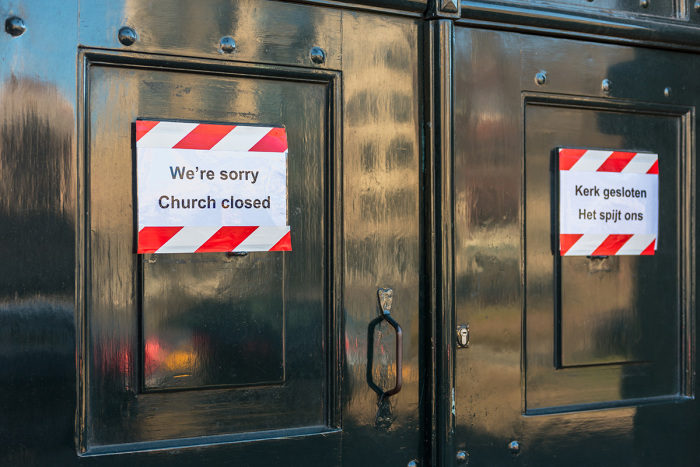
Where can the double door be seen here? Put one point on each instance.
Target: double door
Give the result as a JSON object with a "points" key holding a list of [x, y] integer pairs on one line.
{"points": [[421, 200]]}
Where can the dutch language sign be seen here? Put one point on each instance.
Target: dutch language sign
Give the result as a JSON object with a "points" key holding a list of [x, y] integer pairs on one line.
{"points": [[608, 202], [211, 187]]}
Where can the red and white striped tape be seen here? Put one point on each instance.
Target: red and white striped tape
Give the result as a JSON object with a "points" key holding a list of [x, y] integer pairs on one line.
{"points": [[211, 137], [606, 245], [212, 239], [592, 160]]}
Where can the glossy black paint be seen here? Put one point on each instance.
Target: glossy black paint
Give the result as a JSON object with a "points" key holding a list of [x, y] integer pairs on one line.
{"points": [[37, 231], [527, 377], [412, 176], [439, 37], [225, 345], [607, 312], [622, 22]]}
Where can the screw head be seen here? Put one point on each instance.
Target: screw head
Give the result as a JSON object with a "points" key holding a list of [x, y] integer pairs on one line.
{"points": [[127, 36], [667, 92], [606, 86], [318, 55], [541, 78], [644, 3], [15, 26], [697, 6], [227, 45]]}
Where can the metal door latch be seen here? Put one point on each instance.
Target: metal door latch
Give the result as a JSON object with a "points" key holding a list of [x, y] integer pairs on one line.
{"points": [[463, 336]]}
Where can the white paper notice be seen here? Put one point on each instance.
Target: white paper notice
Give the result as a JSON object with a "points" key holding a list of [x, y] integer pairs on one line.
{"points": [[211, 187], [196, 187], [608, 202]]}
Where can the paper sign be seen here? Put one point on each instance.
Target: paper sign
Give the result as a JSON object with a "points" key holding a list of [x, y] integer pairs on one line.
{"points": [[211, 187], [608, 202]]}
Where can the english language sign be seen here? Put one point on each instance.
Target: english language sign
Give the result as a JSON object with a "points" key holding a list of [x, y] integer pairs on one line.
{"points": [[206, 187], [608, 202]]}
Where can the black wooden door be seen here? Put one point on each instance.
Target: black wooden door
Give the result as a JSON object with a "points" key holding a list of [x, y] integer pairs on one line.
{"points": [[584, 360], [209, 358]]}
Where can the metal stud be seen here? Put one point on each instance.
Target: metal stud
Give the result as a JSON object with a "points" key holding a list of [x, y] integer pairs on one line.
{"points": [[697, 6], [607, 86], [227, 45], [15, 26], [667, 92], [514, 447], [541, 78], [413, 463], [463, 457], [318, 55], [644, 3], [127, 36]]}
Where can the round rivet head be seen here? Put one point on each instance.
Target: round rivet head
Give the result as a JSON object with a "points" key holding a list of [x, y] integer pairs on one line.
{"points": [[644, 3], [227, 45], [413, 463], [127, 36], [541, 78], [667, 92], [15, 26], [514, 447], [463, 457], [318, 55], [606, 85], [697, 6]]}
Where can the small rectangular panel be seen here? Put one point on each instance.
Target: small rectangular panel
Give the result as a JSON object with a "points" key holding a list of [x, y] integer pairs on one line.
{"points": [[609, 314], [212, 322]]}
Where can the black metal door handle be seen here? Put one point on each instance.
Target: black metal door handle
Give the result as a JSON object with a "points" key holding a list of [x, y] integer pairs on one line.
{"points": [[385, 299]]}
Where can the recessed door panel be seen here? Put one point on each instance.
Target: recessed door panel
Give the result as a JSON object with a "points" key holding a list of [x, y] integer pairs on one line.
{"points": [[213, 321], [606, 310], [226, 344]]}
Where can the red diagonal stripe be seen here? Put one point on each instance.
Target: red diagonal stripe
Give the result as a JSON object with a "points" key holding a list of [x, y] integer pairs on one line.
{"points": [[650, 249], [226, 239], [617, 161], [568, 157], [144, 126], [654, 168], [274, 141], [204, 136], [285, 243], [611, 245], [152, 238], [566, 241]]}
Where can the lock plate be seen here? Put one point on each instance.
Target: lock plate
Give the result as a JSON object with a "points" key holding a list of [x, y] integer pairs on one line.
{"points": [[463, 336]]}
